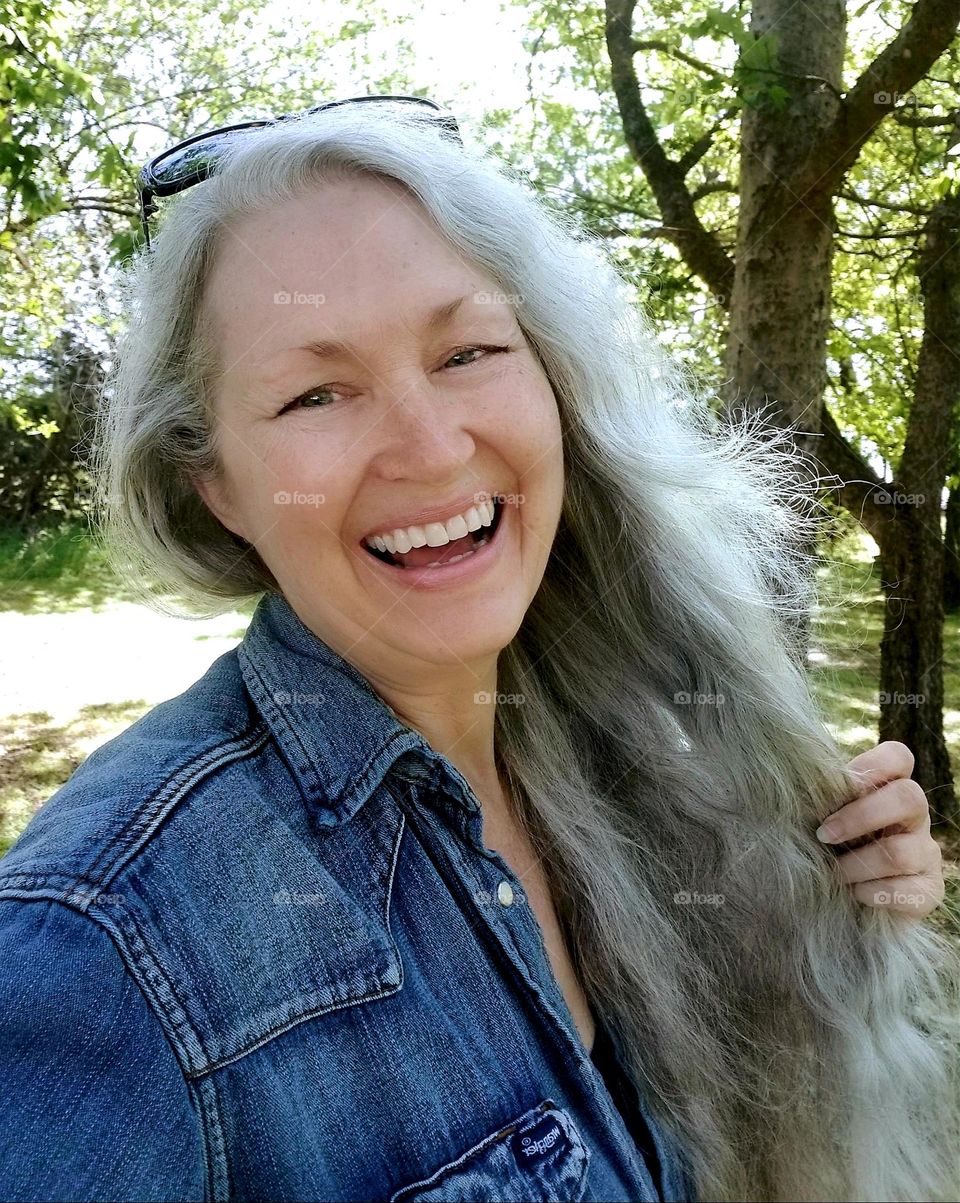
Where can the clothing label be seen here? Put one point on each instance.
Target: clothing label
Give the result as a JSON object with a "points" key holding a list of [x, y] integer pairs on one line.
{"points": [[545, 1139]]}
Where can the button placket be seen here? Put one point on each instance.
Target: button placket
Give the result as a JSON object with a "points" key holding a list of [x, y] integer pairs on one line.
{"points": [[461, 861], [509, 892]]}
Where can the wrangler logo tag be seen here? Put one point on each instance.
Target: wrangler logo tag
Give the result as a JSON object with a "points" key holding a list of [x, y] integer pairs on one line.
{"points": [[545, 1139]]}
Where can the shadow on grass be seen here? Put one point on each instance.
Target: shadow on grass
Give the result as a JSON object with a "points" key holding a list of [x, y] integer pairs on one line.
{"points": [[37, 757], [57, 569]]}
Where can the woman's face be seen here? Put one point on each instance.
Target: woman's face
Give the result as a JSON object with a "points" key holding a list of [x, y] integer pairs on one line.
{"points": [[322, 447]]}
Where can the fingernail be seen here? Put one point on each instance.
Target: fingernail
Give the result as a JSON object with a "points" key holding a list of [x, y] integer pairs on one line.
{"points": [[827, 834]]}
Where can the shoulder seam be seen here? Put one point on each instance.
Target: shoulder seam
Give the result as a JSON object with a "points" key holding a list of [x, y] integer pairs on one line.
{"points": [[152, 815], [147, 820]]}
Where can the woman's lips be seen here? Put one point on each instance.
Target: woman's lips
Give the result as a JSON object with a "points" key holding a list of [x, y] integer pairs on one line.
{"points": [[422, 556]]}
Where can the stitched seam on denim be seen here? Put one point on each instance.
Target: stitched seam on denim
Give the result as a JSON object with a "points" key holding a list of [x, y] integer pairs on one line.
{"points": [[354, 1000], [368, 768], [389, 885], [216, 1164], [133, 979], [139, 958], [308, 763], [150, 817], [24, 886]]}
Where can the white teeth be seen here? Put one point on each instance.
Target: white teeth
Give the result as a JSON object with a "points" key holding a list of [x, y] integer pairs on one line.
{"points": [[434, 534]]}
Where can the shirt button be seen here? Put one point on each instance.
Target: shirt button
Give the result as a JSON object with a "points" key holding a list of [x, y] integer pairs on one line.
{"points": [[505, 893]]}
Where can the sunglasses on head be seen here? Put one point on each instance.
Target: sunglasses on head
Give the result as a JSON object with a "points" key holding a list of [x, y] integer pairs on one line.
{"points": [[194, 159]]}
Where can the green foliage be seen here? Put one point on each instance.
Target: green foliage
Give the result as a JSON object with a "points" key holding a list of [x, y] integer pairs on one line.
{"points": [[88, 92], [35, 79], [757, 68], [45, 420]]}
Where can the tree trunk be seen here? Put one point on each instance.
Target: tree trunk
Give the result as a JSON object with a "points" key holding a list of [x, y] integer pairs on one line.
{"points": [[780, 303], [912, 554], [802, 130], [951, 548]]}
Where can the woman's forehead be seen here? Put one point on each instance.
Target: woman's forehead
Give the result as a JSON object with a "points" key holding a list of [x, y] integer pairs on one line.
{"points": [[352, 253], [342, 222]]}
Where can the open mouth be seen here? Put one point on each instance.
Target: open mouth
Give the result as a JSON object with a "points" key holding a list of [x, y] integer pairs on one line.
{"points": [[449, 552]]}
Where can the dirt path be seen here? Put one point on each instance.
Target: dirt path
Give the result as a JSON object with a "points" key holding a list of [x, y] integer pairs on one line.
{"points": [[59, 663]]}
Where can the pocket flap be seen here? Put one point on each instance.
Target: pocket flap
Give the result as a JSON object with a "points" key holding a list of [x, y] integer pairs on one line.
{"points": [[538, 1156]]}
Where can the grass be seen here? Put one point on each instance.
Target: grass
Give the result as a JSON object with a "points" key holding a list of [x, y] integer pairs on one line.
{"points": [[56, 569], [37, 756]]}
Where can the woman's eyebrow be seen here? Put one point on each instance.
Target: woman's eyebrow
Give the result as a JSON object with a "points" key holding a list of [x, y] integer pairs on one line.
{"points": [[436, 319]]}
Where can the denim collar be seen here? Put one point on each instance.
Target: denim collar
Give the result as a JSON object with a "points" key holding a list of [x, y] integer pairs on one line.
{"points": [[339, 737]]}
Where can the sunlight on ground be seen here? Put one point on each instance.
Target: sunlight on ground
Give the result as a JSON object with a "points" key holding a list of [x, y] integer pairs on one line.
{"points": [[75, 678]]}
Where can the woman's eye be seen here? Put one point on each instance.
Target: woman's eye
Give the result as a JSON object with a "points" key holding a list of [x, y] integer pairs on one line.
{"points": [[471, 350], [302, 402]]}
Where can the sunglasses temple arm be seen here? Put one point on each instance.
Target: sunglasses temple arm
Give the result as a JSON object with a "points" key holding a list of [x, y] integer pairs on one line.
{"points": [[147, 207]]}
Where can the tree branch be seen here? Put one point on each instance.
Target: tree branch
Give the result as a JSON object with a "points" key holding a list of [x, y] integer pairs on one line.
{"points": [[690, 158], [915, 210], [858, 483], [700, 248], [907, 59], [673, 52], [901, 117], [703, 190]]}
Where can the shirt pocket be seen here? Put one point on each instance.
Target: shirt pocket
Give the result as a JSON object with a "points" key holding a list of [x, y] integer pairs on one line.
{"points": [[538, 1156]]}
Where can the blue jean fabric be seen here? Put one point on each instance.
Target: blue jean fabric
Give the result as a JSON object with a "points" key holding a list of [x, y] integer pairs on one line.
{"points": [[255, 948]]}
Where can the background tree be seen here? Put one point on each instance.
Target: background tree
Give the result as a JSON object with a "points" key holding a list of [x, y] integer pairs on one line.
{"points": [[912, 551], [88, 91], [764, 177]]}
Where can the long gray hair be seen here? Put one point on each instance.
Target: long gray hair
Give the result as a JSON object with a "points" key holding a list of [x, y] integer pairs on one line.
{"points": [[668, 760]]}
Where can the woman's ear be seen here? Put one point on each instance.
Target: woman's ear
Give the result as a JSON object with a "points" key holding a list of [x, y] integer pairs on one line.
{"points": [[215, 495]]}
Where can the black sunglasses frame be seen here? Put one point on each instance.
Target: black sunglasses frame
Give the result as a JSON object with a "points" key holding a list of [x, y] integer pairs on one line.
{"points": [[152, 185]]}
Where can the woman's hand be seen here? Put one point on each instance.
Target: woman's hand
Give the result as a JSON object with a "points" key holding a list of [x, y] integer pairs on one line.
{"points": [[899, 864]]}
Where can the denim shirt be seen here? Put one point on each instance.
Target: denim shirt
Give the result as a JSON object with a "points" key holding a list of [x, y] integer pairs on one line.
{"points": [[256, 948]]}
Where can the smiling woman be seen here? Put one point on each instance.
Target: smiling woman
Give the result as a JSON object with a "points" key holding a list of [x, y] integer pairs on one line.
{"points": [[485, 866]]}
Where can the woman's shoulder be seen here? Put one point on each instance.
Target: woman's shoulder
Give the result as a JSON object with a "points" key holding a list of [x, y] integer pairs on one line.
{"points": [[133, 783], [86, 1070], [187, 840]]}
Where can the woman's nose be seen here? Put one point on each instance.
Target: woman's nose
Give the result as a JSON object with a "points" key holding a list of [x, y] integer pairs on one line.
{"points": [[422, 433]]}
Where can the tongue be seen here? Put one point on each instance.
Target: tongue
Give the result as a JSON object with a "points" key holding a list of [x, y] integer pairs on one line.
{"points": [[420, 557]]}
